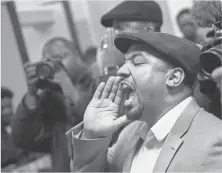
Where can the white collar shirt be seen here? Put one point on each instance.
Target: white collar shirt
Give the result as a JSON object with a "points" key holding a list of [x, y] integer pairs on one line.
{"points": [[146, 157]]}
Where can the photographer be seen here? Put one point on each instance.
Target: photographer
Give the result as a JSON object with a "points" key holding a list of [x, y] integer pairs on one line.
{"points": [[208, 89], [45, 111]]}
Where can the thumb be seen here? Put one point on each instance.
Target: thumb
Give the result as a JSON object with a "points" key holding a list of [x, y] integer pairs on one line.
{"points": [[217, 74], [119, 122]]}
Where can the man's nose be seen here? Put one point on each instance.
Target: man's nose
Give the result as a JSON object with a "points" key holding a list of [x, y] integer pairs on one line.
{"points": [[123, 71]]}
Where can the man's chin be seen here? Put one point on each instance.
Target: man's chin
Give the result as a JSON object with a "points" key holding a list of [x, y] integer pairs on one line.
{"points": [[135, 114]]}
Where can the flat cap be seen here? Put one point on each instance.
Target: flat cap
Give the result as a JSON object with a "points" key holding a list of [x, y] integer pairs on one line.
{"points": [[177, 51], [133, 10]]}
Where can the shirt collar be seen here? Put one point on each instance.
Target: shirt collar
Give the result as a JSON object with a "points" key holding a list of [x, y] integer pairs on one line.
{"points": [[143, 130], [162, 127]]}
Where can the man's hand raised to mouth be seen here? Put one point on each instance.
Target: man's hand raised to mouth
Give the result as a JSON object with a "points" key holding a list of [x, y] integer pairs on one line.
{"points": [[101, 116]]}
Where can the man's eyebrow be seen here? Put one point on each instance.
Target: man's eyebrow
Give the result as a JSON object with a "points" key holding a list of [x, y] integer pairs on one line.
{"points": [[132, 55]]}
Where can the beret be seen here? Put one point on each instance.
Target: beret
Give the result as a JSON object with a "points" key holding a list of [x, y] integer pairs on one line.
{"points": [[177, 51], [133, 10]]}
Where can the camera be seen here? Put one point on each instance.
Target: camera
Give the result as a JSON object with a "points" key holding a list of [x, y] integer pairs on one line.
{"points": [[210, 59], [46, 70]]}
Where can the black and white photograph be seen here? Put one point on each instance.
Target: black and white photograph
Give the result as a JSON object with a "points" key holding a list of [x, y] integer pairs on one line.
{"points": [[131, 86]]}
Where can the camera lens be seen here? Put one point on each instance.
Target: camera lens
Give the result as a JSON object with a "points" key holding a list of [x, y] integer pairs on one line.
{"points": [[44, 71], [209, 61]]}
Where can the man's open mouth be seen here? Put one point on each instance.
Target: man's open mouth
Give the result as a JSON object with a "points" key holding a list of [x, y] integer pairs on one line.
{"points": [[129, 92]]}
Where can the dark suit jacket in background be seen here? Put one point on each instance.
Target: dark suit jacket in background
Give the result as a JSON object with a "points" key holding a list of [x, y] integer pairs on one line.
{"points": [[43, 130]]}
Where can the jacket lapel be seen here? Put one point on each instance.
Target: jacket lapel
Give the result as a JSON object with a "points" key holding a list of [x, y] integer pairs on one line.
{"points": [[169, 149], [174, 139]]}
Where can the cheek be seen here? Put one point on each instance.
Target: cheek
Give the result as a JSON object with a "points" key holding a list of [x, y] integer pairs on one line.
{"points": [[189, 29], [149, 84], [144, 78]]}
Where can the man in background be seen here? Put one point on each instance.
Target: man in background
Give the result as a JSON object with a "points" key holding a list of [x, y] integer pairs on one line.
{"points": [[208, 14], [127, 16], [45, 113], [188, 26], [11, 156]]}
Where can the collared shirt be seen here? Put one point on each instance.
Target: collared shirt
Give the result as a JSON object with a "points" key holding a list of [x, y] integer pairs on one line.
{"points": [[146, 157]]}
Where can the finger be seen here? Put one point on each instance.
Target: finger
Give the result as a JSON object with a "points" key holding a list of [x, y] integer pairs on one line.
{"points": [[29, 68], [113, 93], [99, 91], [217, 74], [119, 96], [104, 42], [27, 64], [30, 74], [32, 81], [119, 122], [111, 36], [108, 87], [114, 89]]}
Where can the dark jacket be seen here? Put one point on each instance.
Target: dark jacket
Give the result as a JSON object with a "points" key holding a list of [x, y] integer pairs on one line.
{"points": [[43, 129], [10, 154], [210, 102]]}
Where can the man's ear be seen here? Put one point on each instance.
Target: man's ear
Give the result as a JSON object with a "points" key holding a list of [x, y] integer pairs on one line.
{"points": [[175, 77]]}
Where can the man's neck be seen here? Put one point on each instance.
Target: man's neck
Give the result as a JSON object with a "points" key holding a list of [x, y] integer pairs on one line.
{"points": [[155, 116]]}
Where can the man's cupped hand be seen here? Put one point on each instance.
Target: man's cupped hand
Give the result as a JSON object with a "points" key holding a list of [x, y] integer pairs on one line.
{"points": [[101, 116]]}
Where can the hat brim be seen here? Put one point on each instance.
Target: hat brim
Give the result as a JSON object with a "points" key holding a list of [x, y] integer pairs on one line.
{"points": [[107, 22], [124, 42]]}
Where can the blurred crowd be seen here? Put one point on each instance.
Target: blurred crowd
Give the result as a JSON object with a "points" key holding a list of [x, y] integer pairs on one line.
{"points": [[62, 83]]}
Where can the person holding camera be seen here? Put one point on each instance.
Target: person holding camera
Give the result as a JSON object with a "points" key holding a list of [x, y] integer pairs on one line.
{"points": [[208, 89], [46, 111]]}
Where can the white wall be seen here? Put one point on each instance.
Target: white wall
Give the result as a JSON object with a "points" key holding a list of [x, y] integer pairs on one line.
{"points": [[12, 74], [36, 37]]}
